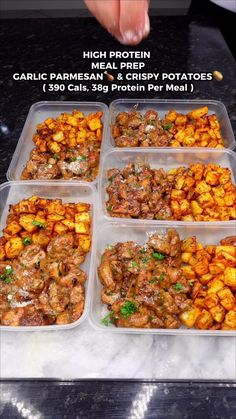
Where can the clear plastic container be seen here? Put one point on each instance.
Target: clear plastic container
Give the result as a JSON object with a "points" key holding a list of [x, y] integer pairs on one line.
{"points": [[37, 114], [13, 192], [162, 106], [114, 232], [165, 158]]}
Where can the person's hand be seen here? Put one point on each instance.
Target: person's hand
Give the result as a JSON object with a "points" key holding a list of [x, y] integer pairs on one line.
{"points": [[127, 20]]}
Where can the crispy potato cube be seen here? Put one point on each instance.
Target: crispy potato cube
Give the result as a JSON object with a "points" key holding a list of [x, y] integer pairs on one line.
{"points": [[215, 285], [26, 221], [185, 207], [179, 182], [70, 224], [229, 199], [185, 256], [78, 114], [55, 217], [2, 252], [81, 207], [56, 207], [12, 228], [171, 116], [211, 300], [216, 268], [82, 216], [189, 317], [40, 238], [189, 245], [195, 207], [201, 268], [230, 319], [204, 320], [231, 250], [71, 120], [94, 124], [230, 276], [228, 303], [218, 313], [85, 242], [81, 136], [58, 137], [210, 249], [212, 178], [60, 228], [198, 113], [199, 302], [54, 147], [177, 195], [82, 228], [181, 120], [13, 247], [204, 279], [202, 187], [25, 206], [205, 200], [188, 272]]}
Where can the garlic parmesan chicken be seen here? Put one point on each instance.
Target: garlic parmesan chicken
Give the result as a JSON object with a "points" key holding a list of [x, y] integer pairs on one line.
{"points": [[42, 248], [168, 283]]}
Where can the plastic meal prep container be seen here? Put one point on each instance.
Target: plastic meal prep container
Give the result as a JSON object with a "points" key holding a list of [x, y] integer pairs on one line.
{"points": [[114, 232], [37, 114], [182, 106], [13, 192], [165, 158]]}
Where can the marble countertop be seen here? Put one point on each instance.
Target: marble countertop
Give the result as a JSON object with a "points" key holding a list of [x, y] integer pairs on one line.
{"points": [[56, 45]]}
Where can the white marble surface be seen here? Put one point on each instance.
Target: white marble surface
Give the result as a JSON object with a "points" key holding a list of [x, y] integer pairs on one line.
{"points": [[84, 353]]}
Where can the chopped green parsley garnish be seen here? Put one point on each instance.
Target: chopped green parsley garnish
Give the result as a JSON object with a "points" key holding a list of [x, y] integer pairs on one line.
{"points": [[158, 256], [109, 318], [168, 126], [151, 122], [109, 208], [178, 286], [26, 241], [162, 276], [153, 281], [6, 276], [134, 264], [142, 251], [38, 224], [71, 159], [128, 308]]}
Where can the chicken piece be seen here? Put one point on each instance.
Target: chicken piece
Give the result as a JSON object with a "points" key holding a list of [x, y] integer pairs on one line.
{"points": [[32, 255], [12, 317], [59, 297], [105, 273], [59, 245]]}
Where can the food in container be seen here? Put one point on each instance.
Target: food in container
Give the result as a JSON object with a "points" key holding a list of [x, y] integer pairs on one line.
{"points": [[194, 129], [195, 193], [167, 282], [43, 245], [67, 147]]}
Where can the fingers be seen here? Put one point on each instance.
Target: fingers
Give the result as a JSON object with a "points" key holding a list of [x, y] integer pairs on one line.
{"points": [[127, 20], [107, 12], [134, 21]]}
